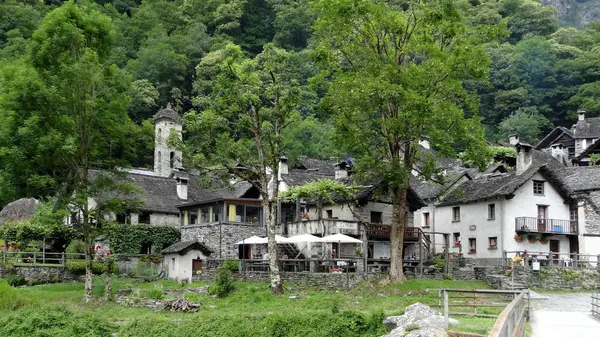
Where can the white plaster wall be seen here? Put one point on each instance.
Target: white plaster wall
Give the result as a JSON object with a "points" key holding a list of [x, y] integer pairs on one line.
{"points": [[474, 214], [590, 245], [180, 266], [160, 219], [524, 204], [162, 130]]}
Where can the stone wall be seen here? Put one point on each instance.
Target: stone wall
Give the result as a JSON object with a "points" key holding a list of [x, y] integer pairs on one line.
{"points": [[303, 279], [221, 237], [565, 278], [40, 275]]}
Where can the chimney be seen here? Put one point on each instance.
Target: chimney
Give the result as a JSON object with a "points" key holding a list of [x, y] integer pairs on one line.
{"points": [[283, 167], [580, 114], [524, 157], [341, 170], [182, 188], [425, 143], [513, 139], [559, 152]]}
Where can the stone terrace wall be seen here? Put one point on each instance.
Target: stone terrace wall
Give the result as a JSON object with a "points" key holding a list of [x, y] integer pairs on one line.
{"points": [[221, 237], [566, 278], [304, 279], [40, 275]]}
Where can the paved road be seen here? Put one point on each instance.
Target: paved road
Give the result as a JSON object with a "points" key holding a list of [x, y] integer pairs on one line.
{"points": [[564, 315]]}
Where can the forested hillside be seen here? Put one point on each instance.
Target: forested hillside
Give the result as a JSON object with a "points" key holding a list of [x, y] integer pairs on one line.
{"points": [[539, 74]]}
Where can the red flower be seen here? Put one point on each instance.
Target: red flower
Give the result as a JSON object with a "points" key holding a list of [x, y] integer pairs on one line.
{"points": [[102, 254], [107, 253], [98, 247], [15, 247], [17, 250]]}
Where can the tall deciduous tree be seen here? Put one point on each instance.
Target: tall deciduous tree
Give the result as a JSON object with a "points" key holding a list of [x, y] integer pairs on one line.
{"points": [[397, 70], [246, 104], [70, 53]]}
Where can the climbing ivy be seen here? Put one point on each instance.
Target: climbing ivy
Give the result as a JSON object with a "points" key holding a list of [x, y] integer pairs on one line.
{"points": [[129, 239]]}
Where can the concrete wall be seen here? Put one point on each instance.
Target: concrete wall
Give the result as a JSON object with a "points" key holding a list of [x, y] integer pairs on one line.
{"points": [[179, 267], [161, 219]]}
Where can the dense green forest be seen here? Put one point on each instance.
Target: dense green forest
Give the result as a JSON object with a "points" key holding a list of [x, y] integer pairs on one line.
{"points": [[539, 74]]}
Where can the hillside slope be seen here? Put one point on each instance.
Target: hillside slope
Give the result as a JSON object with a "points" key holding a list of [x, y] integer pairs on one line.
{"points": [[576, 13]]}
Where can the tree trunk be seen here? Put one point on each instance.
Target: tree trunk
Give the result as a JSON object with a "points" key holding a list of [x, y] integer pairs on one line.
{"points": [[270, 207], [397, 234], [88, 275], [108, 286]]}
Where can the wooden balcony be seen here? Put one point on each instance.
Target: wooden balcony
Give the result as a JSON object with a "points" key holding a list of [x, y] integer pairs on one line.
{"points": [[544, 225], [383, 231]]}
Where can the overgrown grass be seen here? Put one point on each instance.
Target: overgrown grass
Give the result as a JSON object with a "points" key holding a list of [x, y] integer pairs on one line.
{"points": [[250, 310]]}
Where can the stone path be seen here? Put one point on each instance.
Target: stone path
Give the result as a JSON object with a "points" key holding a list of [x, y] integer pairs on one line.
{"points": [[564, 315]]}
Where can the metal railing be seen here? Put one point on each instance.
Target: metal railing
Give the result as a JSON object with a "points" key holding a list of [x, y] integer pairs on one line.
{"points": [[554, 259], [544, 225], [596, 304], [512, 320]]}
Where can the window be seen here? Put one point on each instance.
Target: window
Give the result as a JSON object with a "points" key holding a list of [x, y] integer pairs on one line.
{"points": [[472, 245], [329, 213], [205, 215], [456, 237], [456, 213], [538, 187], [144, 218], [124, 218], [426, 219], [493, 242], [146, 248], [253, 214], [172, 159], [193, 217], [574, 213], [491, 211], [376, 217], [244, 213]]}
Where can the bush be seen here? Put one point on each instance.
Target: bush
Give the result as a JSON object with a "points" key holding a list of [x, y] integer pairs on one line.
{"points": [[10, 299], [76, 247], [16, 280], [155, 294], [231, 265], [78, 268], [224, 284]]}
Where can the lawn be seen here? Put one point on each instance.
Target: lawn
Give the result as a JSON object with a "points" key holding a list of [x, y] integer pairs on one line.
{"points": [[57, 310]]}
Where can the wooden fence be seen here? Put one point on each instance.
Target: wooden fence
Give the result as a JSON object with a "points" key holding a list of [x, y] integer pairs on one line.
{"points": [[512, 320]]}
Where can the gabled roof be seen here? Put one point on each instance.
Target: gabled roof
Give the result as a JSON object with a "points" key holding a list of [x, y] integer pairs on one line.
{"points": [[587, 128], [552, 137], [320, 166], [578, 179], [431, 189], [168, 113], [183, 247], [18, 210], [505, 184], [595, 147]]}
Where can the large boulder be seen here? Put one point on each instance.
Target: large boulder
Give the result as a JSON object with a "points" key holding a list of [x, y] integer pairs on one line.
{"points": [[418, 320]]}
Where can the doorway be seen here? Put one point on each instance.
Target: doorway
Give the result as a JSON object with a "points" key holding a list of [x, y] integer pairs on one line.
{"points": [[196, 266], [555, 248]]}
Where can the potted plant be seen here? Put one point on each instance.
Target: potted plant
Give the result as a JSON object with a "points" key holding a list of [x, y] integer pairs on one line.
{"points": [[531, 239], [543, 240], [518, 238], [358, 251], [472, 249], [493, 245]]}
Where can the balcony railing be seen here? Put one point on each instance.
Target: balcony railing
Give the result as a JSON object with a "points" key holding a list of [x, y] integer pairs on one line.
{"points": [[545, 225]]}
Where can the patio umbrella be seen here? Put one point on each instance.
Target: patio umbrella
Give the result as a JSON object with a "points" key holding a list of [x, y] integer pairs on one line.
{"points": [[304, 238], [340, 238], [253, 240]]}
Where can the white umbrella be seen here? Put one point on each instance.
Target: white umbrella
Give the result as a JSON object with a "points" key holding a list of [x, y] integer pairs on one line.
{"points": [[279, 239], [253, 240], [340, 238], [304, 238]]}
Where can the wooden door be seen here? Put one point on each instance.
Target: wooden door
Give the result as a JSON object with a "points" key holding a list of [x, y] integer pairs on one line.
{"points": [[542, 212], [196, 266], [555, 248]]}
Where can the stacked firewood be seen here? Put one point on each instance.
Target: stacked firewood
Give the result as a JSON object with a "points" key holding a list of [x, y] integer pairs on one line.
{"points": [[182, 304]]}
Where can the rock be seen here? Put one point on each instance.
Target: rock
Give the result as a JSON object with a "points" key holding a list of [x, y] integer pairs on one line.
{"points": [[380, 295], [293, 297], [419, 320]]}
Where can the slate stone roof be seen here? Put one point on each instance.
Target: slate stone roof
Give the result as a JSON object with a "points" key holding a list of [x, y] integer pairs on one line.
{"points": [[504, 184], [324, 167], [594, 148], [582, 178], [183, 247], [301, 177], [160, 194], [168, 113], [587, 128], [431, 189], [553, 136], [18, 210]]}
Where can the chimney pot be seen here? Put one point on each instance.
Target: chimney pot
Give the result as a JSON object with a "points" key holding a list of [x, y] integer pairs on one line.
{"points": [[283, 166], [580, 114], [524, 157], [182, 188], [513, 139]]}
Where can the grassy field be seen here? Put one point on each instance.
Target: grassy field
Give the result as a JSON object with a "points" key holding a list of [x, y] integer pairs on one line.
{"points": [[57, 310]]}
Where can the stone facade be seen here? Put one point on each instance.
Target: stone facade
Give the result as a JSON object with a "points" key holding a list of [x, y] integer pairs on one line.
{"points": [[160, 219], [566, 278], [303, 279], [41, 275], [221, 237]]}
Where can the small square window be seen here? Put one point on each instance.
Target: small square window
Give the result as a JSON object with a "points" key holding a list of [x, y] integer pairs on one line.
{"points": [[425, 219], [456, 213], [472, 245], [491, 211], [493, 242], [456, 237], [376, 217], [538, 187], [329, 213]]}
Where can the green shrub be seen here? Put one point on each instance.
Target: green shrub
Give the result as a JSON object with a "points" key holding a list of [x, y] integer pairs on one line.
{"points": [[11, 299], [231, 265], [16, 280], [155, 294], [224, 283], [76, 247], [78, 268]]}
